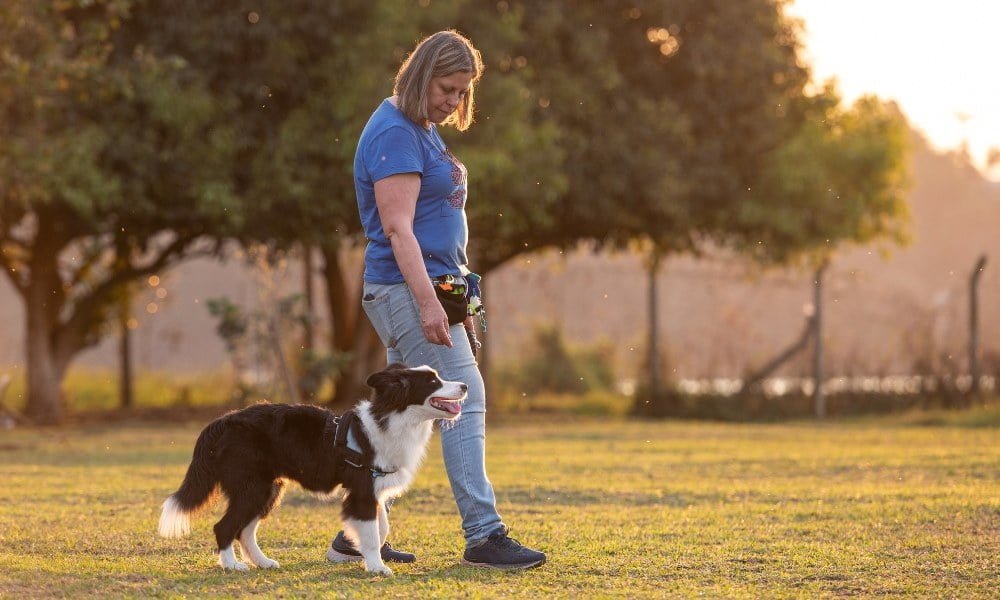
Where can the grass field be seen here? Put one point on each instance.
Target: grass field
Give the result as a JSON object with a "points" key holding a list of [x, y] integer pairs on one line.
{"points": [[624, 509]]}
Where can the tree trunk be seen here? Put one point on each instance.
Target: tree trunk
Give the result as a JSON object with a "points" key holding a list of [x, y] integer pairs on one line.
{"points": [[287, 376], [125, 396], [342, 310], [367, 356], [125, 387], [307, 280], [654, 403], [819, 400], [350, 333], [977, 271], [653, 334], [44, 401], [8, 418]]}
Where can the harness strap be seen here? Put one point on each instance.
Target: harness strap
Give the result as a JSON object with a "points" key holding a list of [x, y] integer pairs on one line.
{"points": [[350, 440]]}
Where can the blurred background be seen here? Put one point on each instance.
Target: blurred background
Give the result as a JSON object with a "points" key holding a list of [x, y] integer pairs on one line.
{"points": [[739, 210]]}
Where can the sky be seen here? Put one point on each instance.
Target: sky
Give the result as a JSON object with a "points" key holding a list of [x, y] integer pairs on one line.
{"points": [[940, 61]]}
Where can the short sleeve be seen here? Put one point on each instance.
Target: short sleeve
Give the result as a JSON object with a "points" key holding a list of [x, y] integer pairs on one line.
{"points": [[396, 150]]}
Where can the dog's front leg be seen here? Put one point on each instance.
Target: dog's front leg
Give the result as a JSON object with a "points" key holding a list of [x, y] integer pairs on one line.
{"points": [[365, 536], [383, 525], [361, 527]]}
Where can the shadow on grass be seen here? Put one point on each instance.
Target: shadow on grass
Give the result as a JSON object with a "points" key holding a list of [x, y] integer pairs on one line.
{"points": [[290, 579], [542, 497]]}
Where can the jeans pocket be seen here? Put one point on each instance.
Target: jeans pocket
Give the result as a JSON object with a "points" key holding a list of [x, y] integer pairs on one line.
{"points": [[376, 306]]}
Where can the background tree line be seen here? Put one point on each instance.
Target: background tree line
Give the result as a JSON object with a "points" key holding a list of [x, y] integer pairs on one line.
{"points": [[140, 133]]}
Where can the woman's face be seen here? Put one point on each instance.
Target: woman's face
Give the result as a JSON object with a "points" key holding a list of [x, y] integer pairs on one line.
{"points": [[445, 93]]}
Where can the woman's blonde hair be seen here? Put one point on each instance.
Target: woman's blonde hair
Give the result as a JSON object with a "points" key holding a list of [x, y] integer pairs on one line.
{"points": [[439, 55]]}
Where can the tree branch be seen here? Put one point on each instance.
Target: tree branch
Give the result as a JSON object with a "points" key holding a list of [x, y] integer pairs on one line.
{"points": [[75, 333], [90, 256], [754, 379]]}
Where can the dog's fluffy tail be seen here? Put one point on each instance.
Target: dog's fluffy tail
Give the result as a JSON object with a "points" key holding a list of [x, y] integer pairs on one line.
{"points": [[197, 489], [175, 522]]}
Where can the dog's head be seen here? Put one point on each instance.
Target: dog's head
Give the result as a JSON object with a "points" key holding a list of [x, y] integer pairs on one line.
{"points": [[419, 391]]}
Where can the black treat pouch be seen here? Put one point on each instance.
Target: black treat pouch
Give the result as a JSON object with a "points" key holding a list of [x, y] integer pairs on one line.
{"points": [[455, 305]]}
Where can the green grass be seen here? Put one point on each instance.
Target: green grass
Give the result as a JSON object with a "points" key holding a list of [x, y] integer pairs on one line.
{"points": [[624, 509]]}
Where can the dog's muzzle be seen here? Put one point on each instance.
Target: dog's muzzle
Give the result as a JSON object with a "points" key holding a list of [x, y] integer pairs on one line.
{"points": [[448, 405]]}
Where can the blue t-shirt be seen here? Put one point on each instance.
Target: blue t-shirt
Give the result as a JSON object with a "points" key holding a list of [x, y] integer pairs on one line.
{"points": [[392, 144]]}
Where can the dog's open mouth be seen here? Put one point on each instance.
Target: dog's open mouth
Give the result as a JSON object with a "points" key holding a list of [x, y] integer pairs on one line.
{"points": [[447, 405]]}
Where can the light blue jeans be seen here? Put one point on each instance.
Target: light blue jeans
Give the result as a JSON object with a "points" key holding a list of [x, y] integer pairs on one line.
{"points": [[393, 312]]}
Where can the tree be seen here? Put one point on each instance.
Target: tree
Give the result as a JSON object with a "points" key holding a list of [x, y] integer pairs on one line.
{"points": [[301, 79], [153, 125], [113, 167], [686, 125], [664, 110], [840, 180], [842, 177]]}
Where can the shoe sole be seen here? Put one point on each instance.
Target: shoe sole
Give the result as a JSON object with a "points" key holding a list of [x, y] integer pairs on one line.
{"points": [[339, 557], [519, 567], [335, 556]]}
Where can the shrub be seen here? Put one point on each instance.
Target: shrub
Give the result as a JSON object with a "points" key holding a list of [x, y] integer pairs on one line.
{"points": [[552, 366]]}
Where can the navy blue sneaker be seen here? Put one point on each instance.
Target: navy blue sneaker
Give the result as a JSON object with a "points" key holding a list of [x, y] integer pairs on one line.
{"points": [[341, 550], [500, 551]]}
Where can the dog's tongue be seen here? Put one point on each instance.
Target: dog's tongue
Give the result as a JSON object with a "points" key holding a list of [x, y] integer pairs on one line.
{"points": [[452, 407]]}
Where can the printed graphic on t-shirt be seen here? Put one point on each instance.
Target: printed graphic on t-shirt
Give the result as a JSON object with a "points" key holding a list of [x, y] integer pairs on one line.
{"points": [[459, 177]]}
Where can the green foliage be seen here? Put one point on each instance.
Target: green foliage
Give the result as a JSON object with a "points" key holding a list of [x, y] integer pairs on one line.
{"points": [[549, 365], [254, 337], [738, 511], [517, 160], [104, 138], [595, 403], [133, 130], [841, 179], [300, 79], [315, 369], [664, 111], [115, 163], [232, 324]]}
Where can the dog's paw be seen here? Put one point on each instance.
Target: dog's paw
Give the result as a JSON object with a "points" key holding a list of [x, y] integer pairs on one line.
{"points": [[379, 570], [267, 563], [236, 566]]}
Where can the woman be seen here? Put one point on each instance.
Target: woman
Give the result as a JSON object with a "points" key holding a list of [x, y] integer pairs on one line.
{"points": [[411, 197]]}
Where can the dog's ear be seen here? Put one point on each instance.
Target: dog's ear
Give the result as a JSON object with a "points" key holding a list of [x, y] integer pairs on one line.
{"points": [[391, 375], [391, 387], [377, 380]]}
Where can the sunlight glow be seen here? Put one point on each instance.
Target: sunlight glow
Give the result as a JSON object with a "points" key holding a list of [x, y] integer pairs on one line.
{"points": [[665, 38], [938, 61]]}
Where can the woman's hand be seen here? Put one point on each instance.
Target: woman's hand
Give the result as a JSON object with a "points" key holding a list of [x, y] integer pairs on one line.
{"points": [[434, 322]]}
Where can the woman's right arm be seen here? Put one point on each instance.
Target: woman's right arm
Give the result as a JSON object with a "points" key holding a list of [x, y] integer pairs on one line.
{"points": [[396, 201]]}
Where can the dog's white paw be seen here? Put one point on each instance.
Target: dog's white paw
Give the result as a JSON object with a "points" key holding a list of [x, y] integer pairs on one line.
{"points": [[267, 563], [227, 560], [379, 570]]}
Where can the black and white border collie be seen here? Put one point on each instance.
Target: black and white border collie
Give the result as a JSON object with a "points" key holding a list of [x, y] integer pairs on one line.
{"points": [[249, 455]]}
